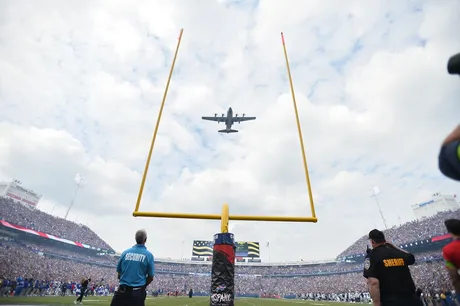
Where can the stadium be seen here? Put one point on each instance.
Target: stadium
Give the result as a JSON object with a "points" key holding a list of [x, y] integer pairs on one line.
{"points": [[245, 91], [50, 253]]}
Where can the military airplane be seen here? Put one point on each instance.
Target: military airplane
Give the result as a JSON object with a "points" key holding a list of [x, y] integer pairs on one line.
{"points": [[229, 120]]}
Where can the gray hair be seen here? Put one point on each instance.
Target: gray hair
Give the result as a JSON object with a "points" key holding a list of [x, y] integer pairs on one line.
{"points": [[141, 236]]}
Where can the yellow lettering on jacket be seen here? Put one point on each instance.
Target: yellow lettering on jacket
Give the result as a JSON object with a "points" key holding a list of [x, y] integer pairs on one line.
{"points": [[393, 262]]}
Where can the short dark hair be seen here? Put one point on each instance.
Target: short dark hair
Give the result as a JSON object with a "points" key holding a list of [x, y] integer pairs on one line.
{"points": [[453, 226], [141, 236], [377, 236]]}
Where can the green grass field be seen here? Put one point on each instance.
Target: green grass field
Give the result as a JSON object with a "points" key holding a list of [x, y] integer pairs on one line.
{"points": [[173, 301]]}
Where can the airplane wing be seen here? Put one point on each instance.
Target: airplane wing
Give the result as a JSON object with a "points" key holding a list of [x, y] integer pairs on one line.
{"points": [[217, 119], [241, 119]]}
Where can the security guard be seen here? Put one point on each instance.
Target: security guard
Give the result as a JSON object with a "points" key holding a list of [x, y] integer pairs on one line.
{"points": [[386, 268], [135, 272]]}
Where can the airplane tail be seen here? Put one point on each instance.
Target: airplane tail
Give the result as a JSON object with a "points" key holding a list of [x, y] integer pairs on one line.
{"points": [[228, 131]]}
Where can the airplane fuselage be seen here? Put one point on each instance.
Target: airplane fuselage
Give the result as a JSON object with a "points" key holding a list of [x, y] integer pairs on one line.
{"points": [[229, 121]]}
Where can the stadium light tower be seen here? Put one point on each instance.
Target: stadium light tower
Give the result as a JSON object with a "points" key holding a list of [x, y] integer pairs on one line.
{"points": [[268, 247], [182, 250], [79, 181], [375, 192]]}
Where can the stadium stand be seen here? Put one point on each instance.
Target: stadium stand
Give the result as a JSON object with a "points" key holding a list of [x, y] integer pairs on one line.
{"points": [[48, 264], [408, 232], [40, 221]]}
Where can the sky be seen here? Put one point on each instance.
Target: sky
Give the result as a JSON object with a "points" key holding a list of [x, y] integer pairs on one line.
{"points": [[81, 83]]}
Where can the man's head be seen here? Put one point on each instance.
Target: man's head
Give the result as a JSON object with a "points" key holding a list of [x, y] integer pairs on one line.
{"points": [[376, 237], [453, 227], [141, 236]]}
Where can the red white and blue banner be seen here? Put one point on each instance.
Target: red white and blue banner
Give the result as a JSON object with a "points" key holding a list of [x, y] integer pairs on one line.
{"points": [[48, 236]]}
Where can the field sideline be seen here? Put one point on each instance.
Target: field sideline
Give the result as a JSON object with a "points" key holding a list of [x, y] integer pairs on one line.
{"points": [[173, 301]]}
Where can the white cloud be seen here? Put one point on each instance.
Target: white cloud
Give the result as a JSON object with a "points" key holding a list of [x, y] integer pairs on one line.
{"points": [[81, 86]]}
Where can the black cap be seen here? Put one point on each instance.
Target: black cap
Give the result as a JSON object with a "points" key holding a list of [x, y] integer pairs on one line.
{"points": [[453, 226], [376, 235]]}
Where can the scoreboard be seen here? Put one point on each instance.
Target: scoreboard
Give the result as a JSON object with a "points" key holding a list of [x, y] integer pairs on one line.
{"points": [[247, 249], [243, 248], [15, 191]]}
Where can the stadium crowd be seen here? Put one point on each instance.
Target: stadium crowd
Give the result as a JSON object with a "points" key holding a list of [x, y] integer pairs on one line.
{"points": [[408, 232], [191, 267], [27, 261], [48, 266], [35, 219], [291, 269]]}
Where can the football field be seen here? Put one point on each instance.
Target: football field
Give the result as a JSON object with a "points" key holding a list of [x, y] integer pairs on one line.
{"points": [[162, 301]]}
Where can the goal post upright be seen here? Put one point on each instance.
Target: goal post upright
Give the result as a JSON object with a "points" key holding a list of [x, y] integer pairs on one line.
{"points": [[225, 216]]}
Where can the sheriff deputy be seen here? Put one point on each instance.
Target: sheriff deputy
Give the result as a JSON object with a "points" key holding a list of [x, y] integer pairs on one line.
{"points": [[386, 268]]}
